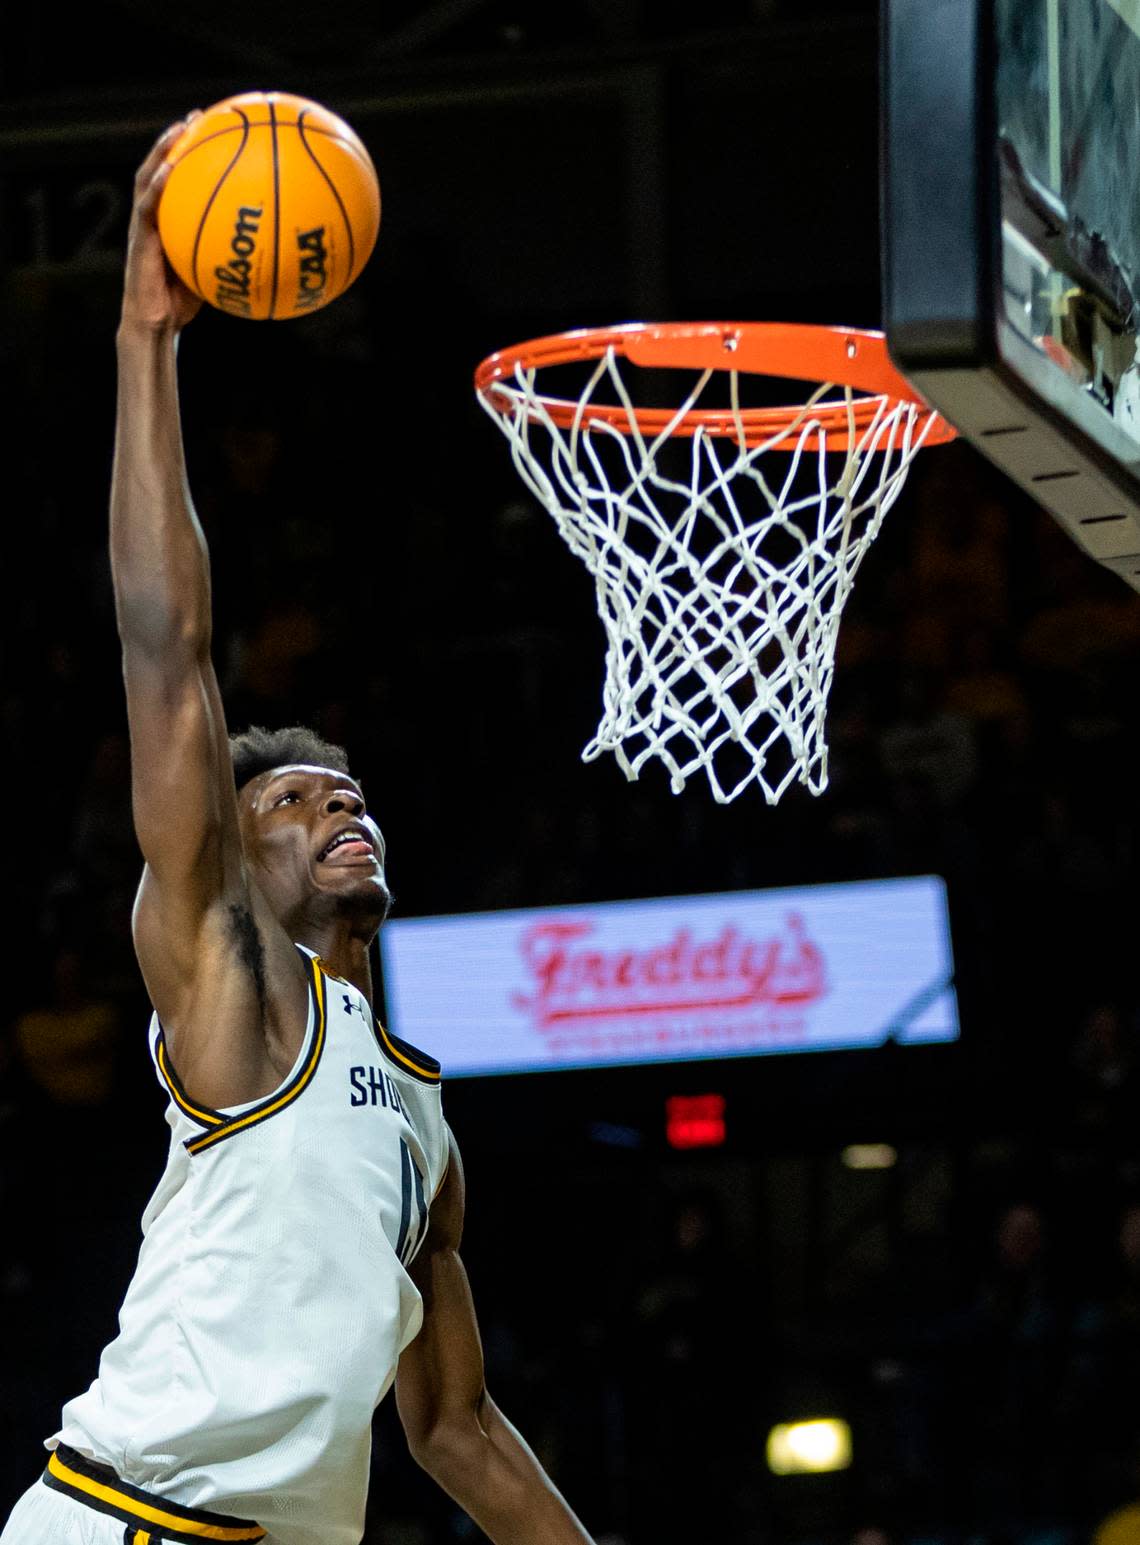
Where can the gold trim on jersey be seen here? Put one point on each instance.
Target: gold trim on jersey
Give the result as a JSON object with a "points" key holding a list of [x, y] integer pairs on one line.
{"points": [[203, 1114], [78, 1478], [420, 1064], [230, 1125], [412, 1060]]}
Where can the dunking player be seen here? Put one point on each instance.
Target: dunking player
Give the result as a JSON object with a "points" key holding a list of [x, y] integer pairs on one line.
{"points": [[301, 1250]]}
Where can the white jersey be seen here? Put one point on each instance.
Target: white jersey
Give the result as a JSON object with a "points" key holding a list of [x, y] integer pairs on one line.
{"points": [[271, 1299]]}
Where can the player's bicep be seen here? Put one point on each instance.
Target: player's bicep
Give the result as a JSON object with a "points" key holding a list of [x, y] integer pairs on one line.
{"points": [[440, 1384], [182, 791]]}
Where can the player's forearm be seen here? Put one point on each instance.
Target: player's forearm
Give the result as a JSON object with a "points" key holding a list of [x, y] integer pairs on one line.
{"points": [[158, 553], [493, 1475]]}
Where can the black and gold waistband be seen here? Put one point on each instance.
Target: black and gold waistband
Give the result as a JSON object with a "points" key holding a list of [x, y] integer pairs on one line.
{"points": [[152, 1519]]}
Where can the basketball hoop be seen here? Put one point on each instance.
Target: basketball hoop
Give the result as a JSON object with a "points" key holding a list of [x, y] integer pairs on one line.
{"points": [[722, 540]]}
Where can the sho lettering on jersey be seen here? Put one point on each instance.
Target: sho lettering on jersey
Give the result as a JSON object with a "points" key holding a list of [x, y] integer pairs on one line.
{"points": [[372, 1086]]}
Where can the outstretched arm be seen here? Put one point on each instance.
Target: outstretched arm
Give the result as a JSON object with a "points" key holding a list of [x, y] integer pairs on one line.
{"points": [[454, 1428], [182, 787], [185, 815]]}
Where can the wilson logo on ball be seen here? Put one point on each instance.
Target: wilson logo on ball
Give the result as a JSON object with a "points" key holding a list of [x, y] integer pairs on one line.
{"points": [[271, 208], [235, 279], [313, 275]]}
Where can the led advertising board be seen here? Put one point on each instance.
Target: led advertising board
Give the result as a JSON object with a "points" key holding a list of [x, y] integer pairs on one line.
{"points": [[739, 974]]}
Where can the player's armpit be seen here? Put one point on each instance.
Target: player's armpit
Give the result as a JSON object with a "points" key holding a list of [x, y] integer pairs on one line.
{"points": [[454, 1429]]}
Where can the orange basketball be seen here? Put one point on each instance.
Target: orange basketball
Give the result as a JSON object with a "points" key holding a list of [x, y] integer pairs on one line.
{"points": [[272, 207]]}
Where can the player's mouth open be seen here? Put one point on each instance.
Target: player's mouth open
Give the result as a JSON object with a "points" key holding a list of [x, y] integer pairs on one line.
{"points": [[345, 845]]}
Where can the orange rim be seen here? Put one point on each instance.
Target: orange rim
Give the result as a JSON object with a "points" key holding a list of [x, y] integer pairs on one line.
{"points": [[844, 356]]}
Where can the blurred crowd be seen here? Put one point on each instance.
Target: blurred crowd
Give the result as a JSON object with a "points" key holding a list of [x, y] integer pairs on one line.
{"points": [[410, 603]]}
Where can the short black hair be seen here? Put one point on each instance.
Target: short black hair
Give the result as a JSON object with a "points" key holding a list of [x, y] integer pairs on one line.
{"points": [[259, 750]]}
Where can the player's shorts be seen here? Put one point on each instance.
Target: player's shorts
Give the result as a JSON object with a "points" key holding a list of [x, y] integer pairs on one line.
{"points": [[76, 1502]]}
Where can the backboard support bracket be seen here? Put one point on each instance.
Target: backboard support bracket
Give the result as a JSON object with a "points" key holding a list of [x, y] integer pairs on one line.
{"points": [[1042, 410]]}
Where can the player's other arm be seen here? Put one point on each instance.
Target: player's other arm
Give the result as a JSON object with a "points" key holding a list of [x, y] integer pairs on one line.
{"points": [[185, 809], [454, 1428]]}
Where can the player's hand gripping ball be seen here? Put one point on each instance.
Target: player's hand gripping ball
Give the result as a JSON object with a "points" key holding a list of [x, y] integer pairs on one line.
{"points": [[271, 208]]}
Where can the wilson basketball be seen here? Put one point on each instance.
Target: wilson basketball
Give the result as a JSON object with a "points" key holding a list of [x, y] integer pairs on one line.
{"points": [[272, 207]]}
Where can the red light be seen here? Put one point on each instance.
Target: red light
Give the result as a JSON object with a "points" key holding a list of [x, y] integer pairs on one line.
{"points": [[694, 1120]]}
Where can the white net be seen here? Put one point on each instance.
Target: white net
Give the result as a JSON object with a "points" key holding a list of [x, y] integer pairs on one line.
{"points": [[721, 568]]}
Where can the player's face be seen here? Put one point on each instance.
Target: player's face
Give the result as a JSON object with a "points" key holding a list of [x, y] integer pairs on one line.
{"points": [[307, 834]]}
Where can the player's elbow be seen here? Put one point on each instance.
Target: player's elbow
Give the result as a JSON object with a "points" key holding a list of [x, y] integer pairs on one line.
{"points": [[150, 629], [449, 1445]]}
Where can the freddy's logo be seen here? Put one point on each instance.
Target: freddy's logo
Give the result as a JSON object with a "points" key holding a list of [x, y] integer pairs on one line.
{"points": [[574, 981]]}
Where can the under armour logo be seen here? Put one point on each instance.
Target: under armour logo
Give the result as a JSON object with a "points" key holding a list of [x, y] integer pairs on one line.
{"points": [[350, 1006]]}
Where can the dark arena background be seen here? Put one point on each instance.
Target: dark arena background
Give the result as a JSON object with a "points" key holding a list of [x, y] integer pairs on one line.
{"points": [[936, 1245]]}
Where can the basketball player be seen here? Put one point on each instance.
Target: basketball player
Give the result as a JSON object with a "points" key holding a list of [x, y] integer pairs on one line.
{"points": [[301, 1250]]}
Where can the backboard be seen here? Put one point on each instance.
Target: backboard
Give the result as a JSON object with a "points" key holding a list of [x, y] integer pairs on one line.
{"points": [[1011, 242]]}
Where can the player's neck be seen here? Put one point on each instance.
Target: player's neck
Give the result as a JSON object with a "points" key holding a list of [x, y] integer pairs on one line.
{"points": [[341, 952]]}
